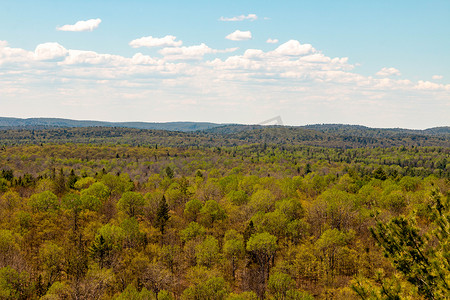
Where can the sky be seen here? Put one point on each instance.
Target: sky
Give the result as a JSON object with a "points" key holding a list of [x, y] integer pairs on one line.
{"points": [[374, 63]]}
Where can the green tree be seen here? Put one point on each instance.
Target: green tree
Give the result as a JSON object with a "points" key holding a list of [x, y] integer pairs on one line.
{"points": [[60, 183], [45, 201], [192, 209], [162, 214], [421, 257], [132, 203], [192, 231], [207, 252], [211, 212], [214, 288], [98, 190], [278, 285], [14, 285], [233, 249], [131, 293], [51, 257], [263, 246]]}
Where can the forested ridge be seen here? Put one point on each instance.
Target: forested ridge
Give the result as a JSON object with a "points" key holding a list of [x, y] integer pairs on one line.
{"points": [[231, 135], [226, 213]]}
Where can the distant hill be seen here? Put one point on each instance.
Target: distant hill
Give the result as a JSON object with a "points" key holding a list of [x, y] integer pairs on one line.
{"points": [[50, 130], [275, 135], [359, 130], [37, 123]]}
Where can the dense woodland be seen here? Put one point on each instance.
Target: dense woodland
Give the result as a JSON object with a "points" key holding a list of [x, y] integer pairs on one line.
{"points": [[262, 213], [336, 136]]}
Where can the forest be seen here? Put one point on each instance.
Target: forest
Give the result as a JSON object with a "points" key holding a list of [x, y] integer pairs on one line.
{"points": [[225, 213]]}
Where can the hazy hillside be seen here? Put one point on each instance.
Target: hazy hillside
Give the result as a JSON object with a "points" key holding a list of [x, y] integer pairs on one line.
{"points": [[56, 122], [285, 136]]}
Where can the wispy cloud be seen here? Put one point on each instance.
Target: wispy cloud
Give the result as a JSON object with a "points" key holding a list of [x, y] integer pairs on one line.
{"points": [[239, 36], [272, 41], [88, 25], [250, 17], [149, 41], [195, 52], [437, 77], [388, 72]]}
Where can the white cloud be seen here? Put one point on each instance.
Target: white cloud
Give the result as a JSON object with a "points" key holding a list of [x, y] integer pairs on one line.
{"points": [[191, 52], [251, 17], [149, 41], [80, 57], [14, 56], [141, 59], [3, 44], [427, 85], [272, 41], [88, 25], [386, 72], [437, 77], [293, 78], [294, 48], [239, 35], [50, 52]]}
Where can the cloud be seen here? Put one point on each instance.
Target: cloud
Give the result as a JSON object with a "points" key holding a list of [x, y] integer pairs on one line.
{"points": [[86, 58], [437, 77], [291, 60], [294, 48], [88, 25], [149, 41], [271, 41], [251, 17], [427, 85], [386, 72], [14, 56], [292, 78], [190, 53], [50, 52], [239, 35]]}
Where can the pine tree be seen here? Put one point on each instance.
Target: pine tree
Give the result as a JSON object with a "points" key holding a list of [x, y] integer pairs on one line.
{"points": [[162, 214]]}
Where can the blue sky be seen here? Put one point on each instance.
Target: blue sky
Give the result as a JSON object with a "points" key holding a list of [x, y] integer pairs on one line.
{"points": [[374, 63]]}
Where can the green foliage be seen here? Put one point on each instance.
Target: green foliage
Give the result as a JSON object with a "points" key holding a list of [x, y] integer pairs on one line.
{"points": [[169, 172], [210, 213], [242, 296], [131, 293], [237, 197], [51, 257], [162, 215], [278, 285], [131, 203], [214, 288], [423, 263], [192, 209], [58, 290], [117, 185], [165, 295], [14, 285], [192, 231], [84, 183], [207, 252], [97, 190], [71, 201], [3, 185], [262, 200], [45, 201], [263, 245], [271, 219]]}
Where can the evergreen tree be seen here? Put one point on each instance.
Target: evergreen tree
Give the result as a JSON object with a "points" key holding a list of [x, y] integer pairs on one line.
{"points": [[162, 214]]}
